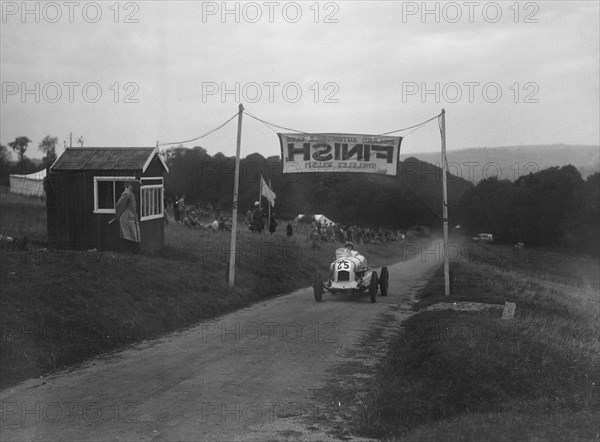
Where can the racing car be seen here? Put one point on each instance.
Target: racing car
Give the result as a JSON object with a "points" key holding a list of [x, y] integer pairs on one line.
{"points": [[349, 273]]}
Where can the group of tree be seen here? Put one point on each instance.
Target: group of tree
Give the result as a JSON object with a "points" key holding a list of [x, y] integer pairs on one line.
{"points": [[554, 206], [413, 197], [25, 165]]}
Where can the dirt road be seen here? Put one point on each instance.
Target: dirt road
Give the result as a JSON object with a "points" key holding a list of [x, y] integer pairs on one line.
{"points": [[249, 375]]}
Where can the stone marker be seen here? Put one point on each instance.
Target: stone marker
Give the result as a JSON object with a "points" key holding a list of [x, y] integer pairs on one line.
{"points": [[509, 310]]}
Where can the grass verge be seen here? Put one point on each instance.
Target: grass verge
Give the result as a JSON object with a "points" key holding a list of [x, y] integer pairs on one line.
{"points": [[469, 375]]}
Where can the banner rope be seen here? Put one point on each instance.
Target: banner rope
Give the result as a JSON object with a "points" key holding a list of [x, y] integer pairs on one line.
{"points": [[201, 136], [416, 126], [272, 124], [75, 174]]}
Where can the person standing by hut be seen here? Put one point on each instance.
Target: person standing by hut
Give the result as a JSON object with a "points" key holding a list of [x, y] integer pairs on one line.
{"points": [[272, 224], [181, 207], [126, 214], [165, 205], [258, 224], [176, 208]]}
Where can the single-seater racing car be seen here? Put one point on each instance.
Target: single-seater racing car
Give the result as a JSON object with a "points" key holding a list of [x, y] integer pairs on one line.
{"points": [[349, 273]]}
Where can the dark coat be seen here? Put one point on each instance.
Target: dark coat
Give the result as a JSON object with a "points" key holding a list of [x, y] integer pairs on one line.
{"points": [[272, 225]]}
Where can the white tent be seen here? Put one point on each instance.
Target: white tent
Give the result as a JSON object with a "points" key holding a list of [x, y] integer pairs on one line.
{"points": [[323, 220], [30, 185]]}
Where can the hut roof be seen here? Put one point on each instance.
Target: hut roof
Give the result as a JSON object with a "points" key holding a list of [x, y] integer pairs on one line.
{"points": [[106, 158]]}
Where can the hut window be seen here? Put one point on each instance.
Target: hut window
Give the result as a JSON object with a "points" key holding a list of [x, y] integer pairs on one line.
{"points": [[107, 191], [152, 198]]}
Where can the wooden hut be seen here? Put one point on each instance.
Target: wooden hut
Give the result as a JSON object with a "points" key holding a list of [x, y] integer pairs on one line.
{"points": [[82, 189]]}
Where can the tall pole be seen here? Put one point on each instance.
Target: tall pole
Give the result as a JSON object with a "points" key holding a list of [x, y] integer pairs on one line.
{"points": [[236, 185], [270, 202], [445, 204]]}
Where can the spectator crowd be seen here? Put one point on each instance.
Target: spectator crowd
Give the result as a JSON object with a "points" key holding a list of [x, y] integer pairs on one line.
{"points": [[191, 216], [340, 233]]}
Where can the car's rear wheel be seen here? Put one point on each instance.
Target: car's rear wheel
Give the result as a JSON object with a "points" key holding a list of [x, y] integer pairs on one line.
{"points": [[373, 287], [318, 287], [384, 281]]}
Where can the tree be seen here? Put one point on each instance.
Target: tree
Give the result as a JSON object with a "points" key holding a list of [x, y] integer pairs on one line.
{"points": [[4, 154], [20, 146], [4, 165], [48, 146], [543, 208]]}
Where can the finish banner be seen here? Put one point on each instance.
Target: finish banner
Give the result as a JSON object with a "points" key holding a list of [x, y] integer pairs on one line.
{"points": [[340, 153]]}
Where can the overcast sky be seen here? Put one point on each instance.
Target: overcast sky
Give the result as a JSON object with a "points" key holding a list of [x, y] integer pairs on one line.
{"points": [[507, 73]]}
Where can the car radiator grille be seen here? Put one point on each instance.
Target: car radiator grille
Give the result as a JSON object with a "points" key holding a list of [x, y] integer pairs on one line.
{"points": [[343, 275]]}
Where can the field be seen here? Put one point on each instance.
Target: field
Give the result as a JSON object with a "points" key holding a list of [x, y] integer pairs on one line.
{"points": [[61, 307], [22, 216], [466, 374]]}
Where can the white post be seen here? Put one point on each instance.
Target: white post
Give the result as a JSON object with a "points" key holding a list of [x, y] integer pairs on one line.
{"points": [[445, 205], [236, 185]]}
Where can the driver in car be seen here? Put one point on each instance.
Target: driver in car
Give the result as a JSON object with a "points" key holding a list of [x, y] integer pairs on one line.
{"points": [[350, 246]]}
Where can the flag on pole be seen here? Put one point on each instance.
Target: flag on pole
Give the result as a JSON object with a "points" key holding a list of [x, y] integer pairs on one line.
{"points": [[267, 192]]}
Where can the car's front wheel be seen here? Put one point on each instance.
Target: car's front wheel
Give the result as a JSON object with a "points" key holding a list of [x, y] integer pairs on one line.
{"points": [[318, 287], [384, 281], [373, 287]]}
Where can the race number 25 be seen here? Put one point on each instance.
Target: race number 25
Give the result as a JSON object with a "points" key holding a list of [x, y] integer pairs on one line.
{"points": [[343, 265]]}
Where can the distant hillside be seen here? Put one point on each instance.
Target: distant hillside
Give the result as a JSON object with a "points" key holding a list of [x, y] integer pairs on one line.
{"points": [[511, 162]]}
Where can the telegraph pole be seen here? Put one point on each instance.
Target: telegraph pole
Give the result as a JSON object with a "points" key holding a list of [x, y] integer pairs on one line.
{"points": [[445, 204], [236, 185]]}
